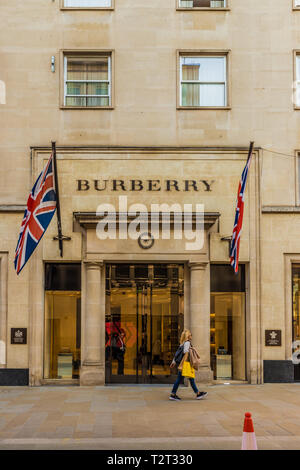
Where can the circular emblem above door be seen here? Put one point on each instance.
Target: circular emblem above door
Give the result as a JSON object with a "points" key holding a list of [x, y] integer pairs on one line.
{"points": [[146, 240]]}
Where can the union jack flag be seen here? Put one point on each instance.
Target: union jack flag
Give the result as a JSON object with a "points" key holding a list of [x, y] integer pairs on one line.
{"points": [[238, 222], [41, 206]]}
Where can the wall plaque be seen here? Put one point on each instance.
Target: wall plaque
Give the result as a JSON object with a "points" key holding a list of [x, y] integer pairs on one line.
{"points": [[18, 335], [273, 337]]}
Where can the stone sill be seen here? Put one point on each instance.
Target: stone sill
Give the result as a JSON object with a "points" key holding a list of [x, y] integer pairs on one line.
{"points": [[107, 108], [281, 209], [12, 208], [87, 8], [202, 9], [197, 108]]}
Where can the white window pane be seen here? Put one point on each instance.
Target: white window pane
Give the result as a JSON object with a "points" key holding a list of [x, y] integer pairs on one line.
{"points": [[72, 101], [190, 72], [97, 89], [211, 69], [190, 94], [76, 88], [79, 71], [299, 176], [202, 3], [298, 67], [212, 95], [218, 4], [186, 4], [297, 3], [297, 93], [87, 3], [98, 101], [88, 69]]}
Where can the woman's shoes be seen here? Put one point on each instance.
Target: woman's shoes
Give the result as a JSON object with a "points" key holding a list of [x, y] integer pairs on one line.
{"points": [[199, 396], [174, 397]]}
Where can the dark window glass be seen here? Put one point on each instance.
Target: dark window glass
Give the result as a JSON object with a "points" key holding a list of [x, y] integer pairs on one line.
{"points": [[62, 276], [296, 318], [141, 272], [223, 279], [122, 271], [160, 271]]}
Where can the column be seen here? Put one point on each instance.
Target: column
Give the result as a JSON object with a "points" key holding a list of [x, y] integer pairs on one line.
{"points": [[36, 318], [200, 317], [93, 364]]}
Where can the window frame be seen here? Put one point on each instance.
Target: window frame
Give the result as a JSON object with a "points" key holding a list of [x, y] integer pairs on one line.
{"points": [[294, 6], [3, 308], [86, 53], [296, 54], [203, 53], [297, 176], [63, 7], [179, 8], [287, 337]]}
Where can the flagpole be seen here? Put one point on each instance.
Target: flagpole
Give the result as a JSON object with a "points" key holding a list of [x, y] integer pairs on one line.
{"points": [[60, 236], [250, 149], [238, 223]]}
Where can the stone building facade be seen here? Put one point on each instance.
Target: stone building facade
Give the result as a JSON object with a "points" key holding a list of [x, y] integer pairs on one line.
{"points": [[151, 103]]}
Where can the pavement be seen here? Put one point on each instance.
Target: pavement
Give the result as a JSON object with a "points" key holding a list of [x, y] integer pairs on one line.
{"points": [[142, 417]]}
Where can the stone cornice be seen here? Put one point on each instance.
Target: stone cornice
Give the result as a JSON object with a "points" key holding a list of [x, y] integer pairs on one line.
{"points": [[14, 208], [139, 149], [197, 265], [281, 209], [90, 219], [93, 264]]}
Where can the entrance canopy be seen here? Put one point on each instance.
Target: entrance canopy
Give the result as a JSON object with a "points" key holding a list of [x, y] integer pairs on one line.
{"points": [[161, 233]]}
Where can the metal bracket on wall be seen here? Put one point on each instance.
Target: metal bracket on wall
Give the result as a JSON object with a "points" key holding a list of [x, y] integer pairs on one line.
{"points": [[63, 237]]}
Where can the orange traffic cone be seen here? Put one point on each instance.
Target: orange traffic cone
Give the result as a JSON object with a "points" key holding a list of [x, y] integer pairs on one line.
{"points": [[249, 439]]}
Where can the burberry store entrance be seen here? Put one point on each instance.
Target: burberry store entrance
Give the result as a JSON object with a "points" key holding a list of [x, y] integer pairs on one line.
{"points": [[144, 317], [143, 321]]}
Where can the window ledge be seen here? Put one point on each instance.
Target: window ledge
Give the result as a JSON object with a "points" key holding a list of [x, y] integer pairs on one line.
{"points": [[87, 107], [296, 8], [87, 8], [192, 108], [204, 9], [297, 108]]}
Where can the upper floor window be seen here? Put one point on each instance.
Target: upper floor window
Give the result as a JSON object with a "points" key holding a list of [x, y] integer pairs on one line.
{"points": [[87, 80], [202, 3], [297, 84], [203, 81], [87, 3]]}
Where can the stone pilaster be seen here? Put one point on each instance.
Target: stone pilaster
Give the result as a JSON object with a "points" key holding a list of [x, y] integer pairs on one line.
{"points": [[36, 319], [93, 363], [200, 316]]}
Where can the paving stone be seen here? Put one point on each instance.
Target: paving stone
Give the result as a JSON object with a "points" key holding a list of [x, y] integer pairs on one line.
{"points": [[85, 427], [100, 417]]}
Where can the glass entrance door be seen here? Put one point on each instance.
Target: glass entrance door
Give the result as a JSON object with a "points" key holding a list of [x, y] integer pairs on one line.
{"points": [[144, 332], [296, 321], [144, 320]]}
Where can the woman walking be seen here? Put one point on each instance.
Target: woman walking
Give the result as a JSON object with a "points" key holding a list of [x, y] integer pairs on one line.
{"points": [[185, 341]]}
